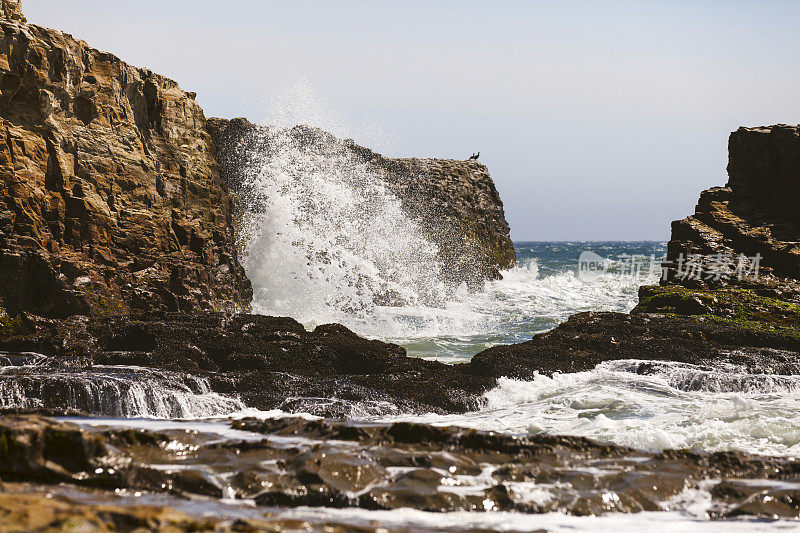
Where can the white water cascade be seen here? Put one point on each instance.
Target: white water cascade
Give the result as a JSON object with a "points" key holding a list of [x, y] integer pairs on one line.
{"points": [[115, 391]]}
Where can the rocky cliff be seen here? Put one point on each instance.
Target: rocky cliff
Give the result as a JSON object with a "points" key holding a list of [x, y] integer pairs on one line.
{"points": [[110, 196], [12, 10], [754, 214], [455, 201]]}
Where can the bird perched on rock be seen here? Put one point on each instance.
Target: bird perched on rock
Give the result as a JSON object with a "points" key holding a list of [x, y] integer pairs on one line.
{"points": [[475, 156]]}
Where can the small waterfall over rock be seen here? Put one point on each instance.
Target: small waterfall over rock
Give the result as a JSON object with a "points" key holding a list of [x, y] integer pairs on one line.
{"points": [[111, 391]]}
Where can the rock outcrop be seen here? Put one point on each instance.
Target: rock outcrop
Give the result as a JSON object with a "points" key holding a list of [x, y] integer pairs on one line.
{"points": [[269, 362], [11, 10], [755, 214], [110, 196], [456, 202]]}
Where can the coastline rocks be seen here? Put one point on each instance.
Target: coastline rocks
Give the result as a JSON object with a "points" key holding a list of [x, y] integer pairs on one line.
{"points": [[110, 196], [755, 213], [274, 363], [290, 462], [455, 202], [270, 362], [588, 339]]}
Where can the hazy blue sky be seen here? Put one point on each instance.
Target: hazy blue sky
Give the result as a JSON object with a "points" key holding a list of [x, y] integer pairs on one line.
{"points": [[598, 120]]}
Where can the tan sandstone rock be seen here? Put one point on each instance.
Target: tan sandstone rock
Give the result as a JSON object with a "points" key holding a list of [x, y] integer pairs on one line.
{"points": [[110, 196]]}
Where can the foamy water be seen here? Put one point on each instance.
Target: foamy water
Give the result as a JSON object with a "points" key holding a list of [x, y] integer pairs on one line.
{"points": [[676, 406], [327, 241]]}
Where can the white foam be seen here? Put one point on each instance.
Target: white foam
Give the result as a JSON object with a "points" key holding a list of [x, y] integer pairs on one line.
{"points": [[613, 403], [328, 242], [678, 522]]}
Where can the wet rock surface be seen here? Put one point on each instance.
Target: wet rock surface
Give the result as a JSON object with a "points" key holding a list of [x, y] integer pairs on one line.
{"points": [[292, 462], [268, 362], [271, 362], [587, 339]]}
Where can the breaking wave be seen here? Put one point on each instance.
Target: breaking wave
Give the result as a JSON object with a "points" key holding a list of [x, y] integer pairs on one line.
{"points": [[326, 241]]}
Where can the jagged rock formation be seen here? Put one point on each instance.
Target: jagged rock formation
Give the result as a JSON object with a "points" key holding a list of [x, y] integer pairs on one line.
{"points": [[755, 213], [11, 10], [455, 201], [110, 196]]}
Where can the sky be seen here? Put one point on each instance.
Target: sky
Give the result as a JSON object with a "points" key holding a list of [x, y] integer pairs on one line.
{"points": [[598, 120]]}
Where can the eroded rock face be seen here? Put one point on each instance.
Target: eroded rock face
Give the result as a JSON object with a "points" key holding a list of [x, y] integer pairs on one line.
{"points": [[11, 10], [755, 213], [455, 202], [110, 196]]}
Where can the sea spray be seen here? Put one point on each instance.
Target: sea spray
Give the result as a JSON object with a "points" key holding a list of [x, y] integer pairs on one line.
{"points": [[325, 239], [651, 405]]}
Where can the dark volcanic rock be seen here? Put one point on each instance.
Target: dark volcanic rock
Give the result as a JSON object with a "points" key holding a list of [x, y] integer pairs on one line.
{"points": [[755, 213], [274, 362], [110, 196], [456, 202], [587, 339], [270, 362]]}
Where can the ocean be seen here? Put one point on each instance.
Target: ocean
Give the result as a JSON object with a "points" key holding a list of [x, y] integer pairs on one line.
{"points": [[673, 406]]}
